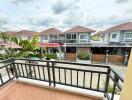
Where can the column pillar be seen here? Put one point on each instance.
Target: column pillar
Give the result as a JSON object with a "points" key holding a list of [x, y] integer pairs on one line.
{"points": [[126, 93]]}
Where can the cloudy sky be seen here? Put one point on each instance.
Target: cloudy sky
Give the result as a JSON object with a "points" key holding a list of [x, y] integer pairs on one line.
{"points": [[37, 15]]}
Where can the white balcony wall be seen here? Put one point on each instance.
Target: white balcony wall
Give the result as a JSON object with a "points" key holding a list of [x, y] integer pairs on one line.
{"points": [[104, 38], [114, 37]]}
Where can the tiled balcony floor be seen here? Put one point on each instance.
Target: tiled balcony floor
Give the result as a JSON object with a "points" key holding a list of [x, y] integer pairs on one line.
{"points": [[24, 91]]}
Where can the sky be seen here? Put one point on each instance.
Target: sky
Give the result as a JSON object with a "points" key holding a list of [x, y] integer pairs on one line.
{"points": [[38, 15]]}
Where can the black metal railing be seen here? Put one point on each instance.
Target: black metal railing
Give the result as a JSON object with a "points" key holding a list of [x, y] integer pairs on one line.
{"points": [[86, 76], [6, 71]]}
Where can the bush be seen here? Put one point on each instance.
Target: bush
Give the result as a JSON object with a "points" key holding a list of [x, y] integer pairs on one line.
{"points": [[50, 55], [110, 89], [83, 56]]}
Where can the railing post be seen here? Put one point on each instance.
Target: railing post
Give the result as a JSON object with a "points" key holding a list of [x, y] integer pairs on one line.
{"points": [[14, 68], [114, 86], [1, 78], [53, 73], [48, 68], [107, 81]]}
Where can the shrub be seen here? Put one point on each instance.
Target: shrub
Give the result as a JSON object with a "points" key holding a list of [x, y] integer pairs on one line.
{"points": [[110, 89], [50, 55], [83, 56]]}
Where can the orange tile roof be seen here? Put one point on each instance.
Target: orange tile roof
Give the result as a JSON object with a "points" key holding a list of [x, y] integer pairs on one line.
{"points": [[80, 29]]}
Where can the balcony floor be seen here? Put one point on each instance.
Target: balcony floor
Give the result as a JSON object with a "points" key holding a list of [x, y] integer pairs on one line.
{"points": [[25, 91]]}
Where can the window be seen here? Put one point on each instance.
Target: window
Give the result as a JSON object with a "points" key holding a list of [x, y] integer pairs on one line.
{"points": [[45, 37], [71, 38], [83, 38], [114, 35], [128, 36], [102, 36], [53, 37]]}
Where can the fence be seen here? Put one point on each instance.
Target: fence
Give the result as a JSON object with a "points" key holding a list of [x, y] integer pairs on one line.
{"points": [[86, 76]]}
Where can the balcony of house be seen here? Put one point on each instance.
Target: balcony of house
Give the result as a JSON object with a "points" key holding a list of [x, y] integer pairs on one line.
{"points": [[61, 41], [38, 79], [52, 39], [78, 39]]}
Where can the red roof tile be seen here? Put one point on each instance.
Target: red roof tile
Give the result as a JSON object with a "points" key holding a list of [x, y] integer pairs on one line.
{"points": [[80, 29], [121, 27], [51, 31]]}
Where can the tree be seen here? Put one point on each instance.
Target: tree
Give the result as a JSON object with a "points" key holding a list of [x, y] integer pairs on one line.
{"points": [[28, 46], [4, 36]]}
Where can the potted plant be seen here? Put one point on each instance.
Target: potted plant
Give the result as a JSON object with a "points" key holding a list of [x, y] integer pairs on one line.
{"points": [[83, 57]]}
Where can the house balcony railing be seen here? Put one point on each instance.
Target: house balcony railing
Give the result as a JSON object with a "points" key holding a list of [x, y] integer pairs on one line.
{"points": [[56, 41], [98, 78]]}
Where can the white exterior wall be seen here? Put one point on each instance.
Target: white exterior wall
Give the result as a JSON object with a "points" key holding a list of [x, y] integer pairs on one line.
{"points": [[24, 38], [104, 38], [117, 39]]}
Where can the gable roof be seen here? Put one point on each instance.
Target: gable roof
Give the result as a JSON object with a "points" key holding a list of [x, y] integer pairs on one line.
{"points": [[21, 33], [11, 32], [51, 31], [26, 33], [80, 29], [121, 27]]}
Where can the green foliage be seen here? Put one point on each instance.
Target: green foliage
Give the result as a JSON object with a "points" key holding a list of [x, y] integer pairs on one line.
{"points": [[83, 56], [28, 46], [110, 89], [4, 36], [50, 55]]}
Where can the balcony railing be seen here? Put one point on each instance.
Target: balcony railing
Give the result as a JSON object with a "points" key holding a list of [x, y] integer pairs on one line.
{"points": [[98, 78], [56, 41]]}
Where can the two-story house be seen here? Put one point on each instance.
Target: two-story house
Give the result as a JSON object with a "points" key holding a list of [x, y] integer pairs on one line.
{"points": [[77, 39], [116, 41], [51, 39], [121, 34]]}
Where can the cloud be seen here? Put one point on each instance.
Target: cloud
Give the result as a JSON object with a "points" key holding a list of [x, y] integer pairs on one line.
{"points": [[60, 6], [3, 19], [40, 20], [104, 22], [21, 1], [129, 11], [121, 1]]}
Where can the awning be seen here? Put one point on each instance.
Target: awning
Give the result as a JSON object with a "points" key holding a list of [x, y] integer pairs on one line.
{"points": [[50, 45]]}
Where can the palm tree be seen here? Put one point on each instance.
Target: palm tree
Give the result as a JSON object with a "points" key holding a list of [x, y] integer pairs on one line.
{"points": [[27, 46], [4, 36]]}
